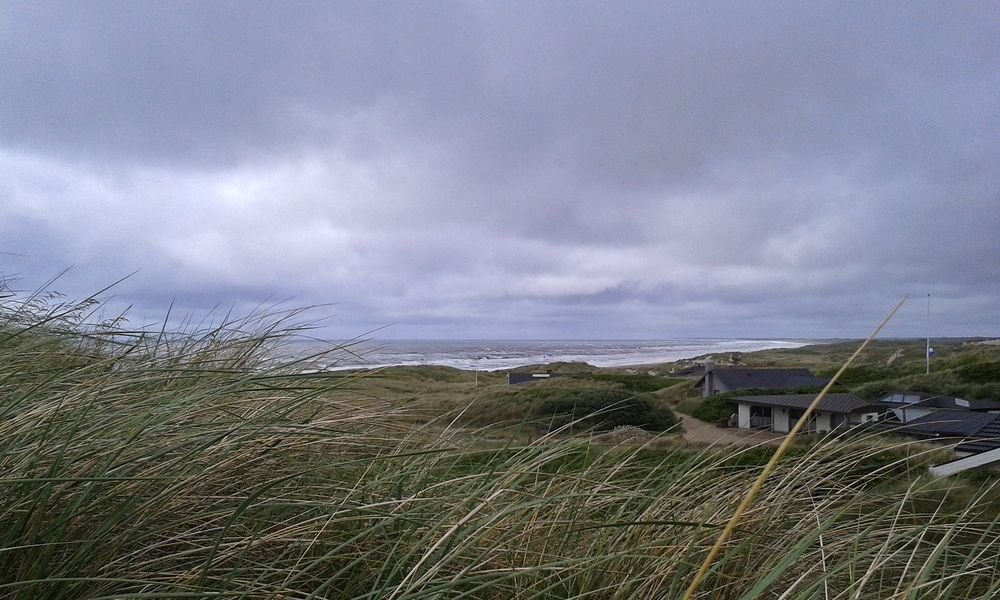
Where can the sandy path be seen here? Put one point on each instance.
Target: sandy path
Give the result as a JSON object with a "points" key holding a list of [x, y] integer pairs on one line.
{"points": [[700, 432]]}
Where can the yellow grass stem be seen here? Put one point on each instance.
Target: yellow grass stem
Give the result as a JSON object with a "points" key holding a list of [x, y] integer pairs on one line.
{"points": [[771, 464]]}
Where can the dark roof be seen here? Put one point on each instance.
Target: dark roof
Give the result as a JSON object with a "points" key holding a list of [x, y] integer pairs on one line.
{"points": [[953, 403], [977, 445], [837, 403], [987, 438], [942, 401], [949, 423], [764, 379], [980, 430]]}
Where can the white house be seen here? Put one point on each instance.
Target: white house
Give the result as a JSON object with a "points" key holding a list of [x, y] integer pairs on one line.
{"points": [[780, 413]]}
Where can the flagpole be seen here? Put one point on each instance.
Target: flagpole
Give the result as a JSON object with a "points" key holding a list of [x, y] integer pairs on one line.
{"points": [[927, 351]]}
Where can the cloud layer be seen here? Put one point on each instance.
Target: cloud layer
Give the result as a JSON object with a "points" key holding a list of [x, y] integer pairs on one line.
{"points": [[522, 170]]}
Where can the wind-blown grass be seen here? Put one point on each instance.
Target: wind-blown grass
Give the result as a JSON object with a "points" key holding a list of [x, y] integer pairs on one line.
{"points": [[192, 464]]}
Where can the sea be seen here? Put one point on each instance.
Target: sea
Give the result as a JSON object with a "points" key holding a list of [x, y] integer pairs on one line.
{"points": [[494, 355]]}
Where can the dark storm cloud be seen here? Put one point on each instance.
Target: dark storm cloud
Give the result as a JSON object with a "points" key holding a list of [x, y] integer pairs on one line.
{"points": [[513, 169], [208, 83]]}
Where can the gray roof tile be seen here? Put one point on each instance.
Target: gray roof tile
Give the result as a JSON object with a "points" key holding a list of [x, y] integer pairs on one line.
{"points": [[949, 423], [837, 403], [765, 379]]}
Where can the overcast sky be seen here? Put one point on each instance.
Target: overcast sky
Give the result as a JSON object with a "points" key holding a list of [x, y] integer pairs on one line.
{"points": [[512, 170]]}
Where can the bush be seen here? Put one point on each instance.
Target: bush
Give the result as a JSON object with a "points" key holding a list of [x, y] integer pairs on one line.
{"points": [[639, 382], [713, 410], [949, 382], [988, 372], [604, 409], [862, 374]]}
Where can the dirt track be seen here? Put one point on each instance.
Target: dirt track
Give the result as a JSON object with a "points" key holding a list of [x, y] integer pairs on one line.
{"points": [[700, 432]]}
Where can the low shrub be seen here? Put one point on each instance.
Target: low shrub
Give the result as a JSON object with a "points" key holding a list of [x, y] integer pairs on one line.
{"points": [[944, 382], [713, 410], [638, 382], [864, 374], [605, 409], [986, 372]]}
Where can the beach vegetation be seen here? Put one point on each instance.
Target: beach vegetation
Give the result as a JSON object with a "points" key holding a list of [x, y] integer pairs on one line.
{"points": [[715, 409], [212, 461], [637, 382], [603, 409], [552, 404]]}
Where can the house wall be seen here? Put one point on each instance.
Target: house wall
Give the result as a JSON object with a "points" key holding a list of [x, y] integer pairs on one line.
{"points": [[779, 420], [708, 385], [863, 417], [823, 421], [712, 387], [744, 416], [781, 423]]}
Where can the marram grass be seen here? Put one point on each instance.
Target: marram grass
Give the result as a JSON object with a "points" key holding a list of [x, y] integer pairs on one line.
{"points": [[192, 465], [758, 484]]}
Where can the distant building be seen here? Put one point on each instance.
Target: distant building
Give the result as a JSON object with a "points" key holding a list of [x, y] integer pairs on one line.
{"points": [[779, 413], [516, 378], [909, 406], [719, 380], [695, 371]]}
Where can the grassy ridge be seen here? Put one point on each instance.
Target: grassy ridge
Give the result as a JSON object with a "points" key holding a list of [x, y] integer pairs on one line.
{"points": [[194, 465], [960, 368]]}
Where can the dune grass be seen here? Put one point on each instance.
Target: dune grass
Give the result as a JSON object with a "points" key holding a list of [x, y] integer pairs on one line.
{"points": [[192, 464]]}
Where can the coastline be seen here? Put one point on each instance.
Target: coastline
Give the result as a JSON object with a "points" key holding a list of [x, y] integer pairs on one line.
{"points": [[501, 355]]}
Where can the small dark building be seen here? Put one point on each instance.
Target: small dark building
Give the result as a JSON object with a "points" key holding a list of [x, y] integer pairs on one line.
{"points": [[516, 378], [696, 372]]}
